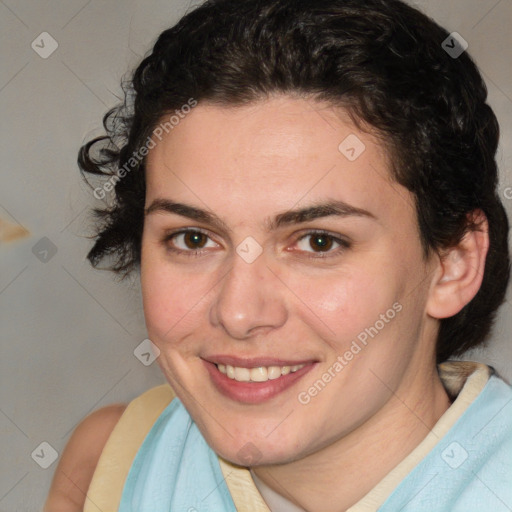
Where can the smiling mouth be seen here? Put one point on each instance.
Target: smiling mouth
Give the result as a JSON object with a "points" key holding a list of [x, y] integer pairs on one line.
{"points": [[257, 379], [258, 374]]}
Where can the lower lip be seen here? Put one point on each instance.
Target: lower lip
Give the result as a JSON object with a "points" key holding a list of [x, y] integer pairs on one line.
{"points": [[253, 392]]}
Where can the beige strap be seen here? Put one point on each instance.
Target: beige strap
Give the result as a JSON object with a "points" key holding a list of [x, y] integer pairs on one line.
{"points": [[106, 488], [245, 494], [104, 494], [469, 379]]}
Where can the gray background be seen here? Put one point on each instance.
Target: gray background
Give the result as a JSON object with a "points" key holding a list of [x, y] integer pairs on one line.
{"points": [[68, 331]]}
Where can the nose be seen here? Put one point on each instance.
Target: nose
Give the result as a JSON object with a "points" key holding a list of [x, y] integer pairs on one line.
{"points": [[249, 301]]}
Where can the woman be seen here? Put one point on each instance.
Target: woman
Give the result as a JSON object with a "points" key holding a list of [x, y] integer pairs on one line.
{"points": [[308, 189]]}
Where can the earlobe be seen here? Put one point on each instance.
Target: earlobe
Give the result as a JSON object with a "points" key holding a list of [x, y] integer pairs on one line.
{"points": [[461, 270]]}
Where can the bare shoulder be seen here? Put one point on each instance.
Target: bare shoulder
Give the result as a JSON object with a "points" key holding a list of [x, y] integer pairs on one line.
{"points": [[79, 460]]}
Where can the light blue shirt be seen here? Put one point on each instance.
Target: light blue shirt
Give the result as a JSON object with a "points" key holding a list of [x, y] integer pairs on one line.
{"points": [[469, 470]]}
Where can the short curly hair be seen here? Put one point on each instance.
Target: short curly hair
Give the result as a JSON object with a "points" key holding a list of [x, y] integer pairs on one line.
{"points": [[381, 60]]}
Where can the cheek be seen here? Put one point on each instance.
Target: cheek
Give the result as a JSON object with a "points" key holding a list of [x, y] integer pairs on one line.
{"points": [[171, 299], [342, 305]]}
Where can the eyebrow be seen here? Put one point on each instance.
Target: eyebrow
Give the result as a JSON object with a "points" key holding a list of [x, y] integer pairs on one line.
{"points": [[290, 217]]}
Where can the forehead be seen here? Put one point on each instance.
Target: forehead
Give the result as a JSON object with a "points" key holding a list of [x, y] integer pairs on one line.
{"points": [[272, 155]]}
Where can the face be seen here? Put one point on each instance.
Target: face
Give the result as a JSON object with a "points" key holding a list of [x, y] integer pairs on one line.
{"points": [[283, 276]]}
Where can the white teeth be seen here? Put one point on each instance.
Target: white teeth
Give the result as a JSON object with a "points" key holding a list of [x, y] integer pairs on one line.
{"points": [[274, 372], [259, 374], [242, 374]]}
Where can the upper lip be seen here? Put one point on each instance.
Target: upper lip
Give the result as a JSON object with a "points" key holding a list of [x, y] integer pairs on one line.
{"points": [[254, 362]]}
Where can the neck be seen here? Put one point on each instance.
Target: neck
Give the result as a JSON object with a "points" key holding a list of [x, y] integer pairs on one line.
{"points": [[338, 476]]}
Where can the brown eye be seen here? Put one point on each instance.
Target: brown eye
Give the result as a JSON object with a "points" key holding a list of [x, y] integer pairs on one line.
{"points": [[320, 242], [194, 239], [189, 241]]}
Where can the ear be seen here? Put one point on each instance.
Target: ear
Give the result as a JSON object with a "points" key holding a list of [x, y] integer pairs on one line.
{"points": [[460, 270]]}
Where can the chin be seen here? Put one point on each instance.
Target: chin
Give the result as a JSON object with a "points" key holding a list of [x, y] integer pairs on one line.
{"points": [[251, 451]]}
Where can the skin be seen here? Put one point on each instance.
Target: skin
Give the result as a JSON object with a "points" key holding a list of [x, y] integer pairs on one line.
{"points": [[73, 475], [246, 165]]}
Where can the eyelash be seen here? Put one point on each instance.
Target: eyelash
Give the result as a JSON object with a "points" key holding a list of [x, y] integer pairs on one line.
{"points": [[343, 244]]}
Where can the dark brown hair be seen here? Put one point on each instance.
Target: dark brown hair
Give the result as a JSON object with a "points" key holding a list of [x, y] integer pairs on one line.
{"points": [[381, 60]]}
